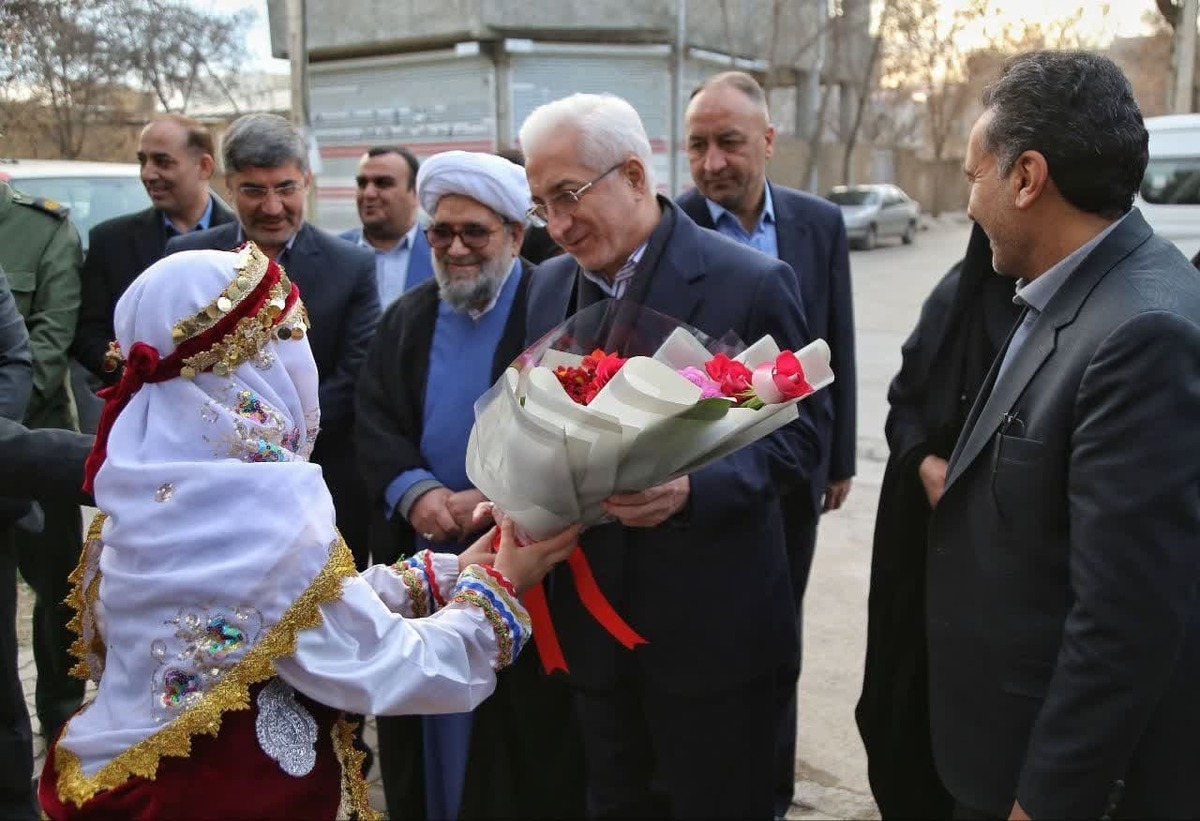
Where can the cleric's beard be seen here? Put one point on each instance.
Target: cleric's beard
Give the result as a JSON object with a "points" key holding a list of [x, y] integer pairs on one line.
{"points": [[474, 294]]}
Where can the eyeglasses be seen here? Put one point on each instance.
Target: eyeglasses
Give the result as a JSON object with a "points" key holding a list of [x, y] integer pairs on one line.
{"points": [[473, 235], [259, 193], [564, 202]]}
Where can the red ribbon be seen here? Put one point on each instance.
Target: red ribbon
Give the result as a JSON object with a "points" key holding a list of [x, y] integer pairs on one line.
{"points": [[141, 366], [545, 637]]}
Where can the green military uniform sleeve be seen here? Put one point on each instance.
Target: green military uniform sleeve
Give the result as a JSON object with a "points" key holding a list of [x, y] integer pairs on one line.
{"points": [[52, 328], [41, 252]]}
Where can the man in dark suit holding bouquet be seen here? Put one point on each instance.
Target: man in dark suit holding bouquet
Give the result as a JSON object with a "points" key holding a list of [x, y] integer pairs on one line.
{"points": [[685, 725]]}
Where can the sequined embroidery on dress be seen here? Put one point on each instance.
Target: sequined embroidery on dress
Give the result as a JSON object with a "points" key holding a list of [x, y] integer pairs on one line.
{"points": [[261, 433], [250, 405], [205, 645], [287, 732]]}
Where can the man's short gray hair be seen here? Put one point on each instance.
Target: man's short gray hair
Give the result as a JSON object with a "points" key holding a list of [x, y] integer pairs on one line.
{"points": [[610, 130], [263, 141]]}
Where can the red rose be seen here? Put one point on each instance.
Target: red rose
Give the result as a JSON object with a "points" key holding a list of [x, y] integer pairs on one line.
{"points": [[788, 375], [584, 382], [733, 377], [606, 369]]}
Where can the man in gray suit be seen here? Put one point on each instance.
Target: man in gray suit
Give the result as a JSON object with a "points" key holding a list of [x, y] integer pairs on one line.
{"points": [[1064, 567]]}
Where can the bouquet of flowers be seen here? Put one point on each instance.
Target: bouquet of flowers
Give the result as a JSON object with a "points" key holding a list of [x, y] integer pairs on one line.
{"points": [[621, 398]]}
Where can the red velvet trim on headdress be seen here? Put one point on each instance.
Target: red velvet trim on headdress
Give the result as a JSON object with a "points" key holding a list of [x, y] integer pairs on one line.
{"points": [[144, 366]]}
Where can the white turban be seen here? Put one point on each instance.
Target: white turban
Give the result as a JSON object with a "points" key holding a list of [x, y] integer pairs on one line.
{"points": [[486, 178]]}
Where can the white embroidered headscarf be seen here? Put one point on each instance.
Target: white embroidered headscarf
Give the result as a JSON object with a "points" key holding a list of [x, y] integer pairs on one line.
{"points": [[220, 538]]}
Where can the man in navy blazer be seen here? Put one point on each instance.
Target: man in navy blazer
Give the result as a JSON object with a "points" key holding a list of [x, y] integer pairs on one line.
{"points": [[1063, 575], [729, 139], [684, 725], [266, 167], [387, 208]]}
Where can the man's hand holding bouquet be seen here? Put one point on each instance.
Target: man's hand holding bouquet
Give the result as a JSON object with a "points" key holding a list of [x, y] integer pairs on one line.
{"points": [[605, 417]]}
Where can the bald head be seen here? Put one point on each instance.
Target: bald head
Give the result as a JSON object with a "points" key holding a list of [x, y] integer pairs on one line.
{"points": [[729, 140]]}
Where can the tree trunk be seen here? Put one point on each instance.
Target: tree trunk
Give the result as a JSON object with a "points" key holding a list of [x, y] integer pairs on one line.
{"points": [[814, 140], [864, 93]]}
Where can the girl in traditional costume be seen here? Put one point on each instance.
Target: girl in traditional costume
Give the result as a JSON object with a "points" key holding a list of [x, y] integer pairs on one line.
{"points": [[219, 612]]}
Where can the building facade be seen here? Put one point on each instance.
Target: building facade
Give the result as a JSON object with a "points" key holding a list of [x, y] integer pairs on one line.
{"points": [[435, 75]]}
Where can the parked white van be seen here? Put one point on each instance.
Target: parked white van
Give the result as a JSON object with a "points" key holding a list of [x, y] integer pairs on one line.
{"points": [[1170, 193]]}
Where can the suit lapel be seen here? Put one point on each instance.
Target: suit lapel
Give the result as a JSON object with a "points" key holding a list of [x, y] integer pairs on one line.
{"points": [[220, 214], [149, 240], [681, 265], [512, 340], [304, 246], [792, 237], [998, 397], [420, 268], [696, 207]]}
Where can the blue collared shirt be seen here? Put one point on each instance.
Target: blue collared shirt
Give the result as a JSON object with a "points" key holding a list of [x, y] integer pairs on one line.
{"points": [[202, 224], [1036, 294], [391, 266], [762, 238]]}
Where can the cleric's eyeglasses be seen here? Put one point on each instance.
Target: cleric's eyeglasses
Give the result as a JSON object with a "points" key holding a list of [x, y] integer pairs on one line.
{"points": [[564, 202], [473, 235]]}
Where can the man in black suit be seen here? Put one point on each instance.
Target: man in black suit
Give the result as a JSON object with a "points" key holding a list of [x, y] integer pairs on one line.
{"points": [[1064, 567], [729, 139], [176, 155], [46, 464], [266, 168], [683, 726]]}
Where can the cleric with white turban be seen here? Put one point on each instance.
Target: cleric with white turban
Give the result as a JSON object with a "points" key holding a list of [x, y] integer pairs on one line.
{"points": [[437, 350], [487, 178]]}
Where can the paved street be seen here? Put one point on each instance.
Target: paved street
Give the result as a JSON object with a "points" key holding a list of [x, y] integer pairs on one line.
{"points": [[890, 284]]}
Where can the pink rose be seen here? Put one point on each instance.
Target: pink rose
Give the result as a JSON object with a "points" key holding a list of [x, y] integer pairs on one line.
{"points": [[781, 380], [709, 389]]}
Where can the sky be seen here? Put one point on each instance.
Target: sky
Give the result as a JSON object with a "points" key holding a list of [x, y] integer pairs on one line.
{"points": [[1100, 21], [258, 38], [1123, 18]]}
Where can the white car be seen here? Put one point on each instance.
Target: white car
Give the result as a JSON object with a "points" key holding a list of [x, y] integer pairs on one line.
{"points": [[1169, 198], [93, 191], [872, 212]]}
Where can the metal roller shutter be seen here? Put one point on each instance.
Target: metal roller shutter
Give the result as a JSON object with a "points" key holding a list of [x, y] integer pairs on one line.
{"points": [[428, 104], [642, 80]]}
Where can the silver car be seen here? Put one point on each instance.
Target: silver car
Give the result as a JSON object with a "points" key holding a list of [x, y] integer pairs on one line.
{"points": [[873, 212]]}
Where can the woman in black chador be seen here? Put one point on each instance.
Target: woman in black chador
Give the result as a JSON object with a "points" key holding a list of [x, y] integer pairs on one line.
{"points": [[963, 325]]}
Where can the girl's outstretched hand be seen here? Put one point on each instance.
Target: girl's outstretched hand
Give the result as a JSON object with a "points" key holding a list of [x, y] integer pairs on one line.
{"points": [[525, 565]]}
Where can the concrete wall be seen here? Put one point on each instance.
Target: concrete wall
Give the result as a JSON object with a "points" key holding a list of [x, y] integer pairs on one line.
{"points": [[938, 187], [363, 27]]}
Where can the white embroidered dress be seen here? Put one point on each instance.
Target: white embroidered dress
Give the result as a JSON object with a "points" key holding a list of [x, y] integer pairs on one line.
{"points": [[218, 567]]}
